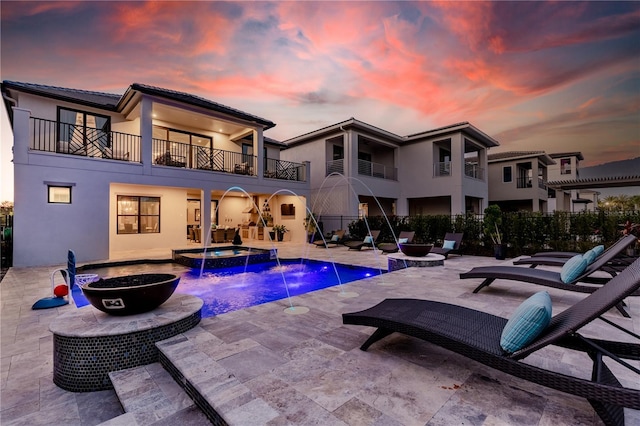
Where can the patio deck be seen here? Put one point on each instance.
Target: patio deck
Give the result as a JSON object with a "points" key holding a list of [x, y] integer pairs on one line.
{"points": [[308, 369]]}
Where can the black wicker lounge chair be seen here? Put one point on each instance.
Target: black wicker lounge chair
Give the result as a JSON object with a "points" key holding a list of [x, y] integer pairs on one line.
{"points": [[561, 258], [477, 334], [445, 251], [336, 239], [358, 245], [393, 247]]}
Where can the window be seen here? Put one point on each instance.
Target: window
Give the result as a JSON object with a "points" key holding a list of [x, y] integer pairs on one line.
{"points": [[83, 133], [138, 215], [59, 194], [338, 152], [565, 166], [506, 174]]}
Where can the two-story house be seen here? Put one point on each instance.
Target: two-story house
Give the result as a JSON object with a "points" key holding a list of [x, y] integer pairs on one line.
{"points": [[366, 170], [518, 180], [104, 174], [567, 168]]}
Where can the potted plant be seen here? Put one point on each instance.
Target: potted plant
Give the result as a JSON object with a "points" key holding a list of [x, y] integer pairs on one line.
{"points": [[634, 229], [492, 222], [311, 226], [280, 230]]}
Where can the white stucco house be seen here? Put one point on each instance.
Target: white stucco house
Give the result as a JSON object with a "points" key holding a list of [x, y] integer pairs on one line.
{"points": [[518, 180], [105, 174], [440, 171]]}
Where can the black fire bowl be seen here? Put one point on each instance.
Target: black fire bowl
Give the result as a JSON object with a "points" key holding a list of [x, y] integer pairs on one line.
{"points": [[415, 250], [130, 294]]}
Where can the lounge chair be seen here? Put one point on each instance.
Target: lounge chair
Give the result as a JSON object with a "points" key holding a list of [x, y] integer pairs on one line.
{"points": [[562, 257], [451, 245], [336, 239], [369, 241], [477, 335], [546, 277], [393, 247]]}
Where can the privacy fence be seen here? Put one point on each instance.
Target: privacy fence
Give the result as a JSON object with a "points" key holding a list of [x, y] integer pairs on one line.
{"points": [[524, 232]]}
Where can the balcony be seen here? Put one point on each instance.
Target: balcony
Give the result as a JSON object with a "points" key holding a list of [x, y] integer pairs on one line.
{"points": [[367, 168], [335, 166], [71, 139], [473, 170], [527, 182], [442, 168], [63, 138]]}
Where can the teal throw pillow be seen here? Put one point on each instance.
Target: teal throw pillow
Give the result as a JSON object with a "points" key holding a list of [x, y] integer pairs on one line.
{"points": [[573, 268], [590, 256], [527, 322], [598, 249], [335, 238], [368, 239], [403, 240], [448, 244]]}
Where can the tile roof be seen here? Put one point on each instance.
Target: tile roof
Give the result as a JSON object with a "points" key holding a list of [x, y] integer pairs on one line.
{"points": [[199, 101], [114, 102], [567, 154], [85, 97], [512, 155]]}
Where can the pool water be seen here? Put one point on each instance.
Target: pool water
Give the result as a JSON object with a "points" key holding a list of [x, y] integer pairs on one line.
{"points": [[239, 287]]}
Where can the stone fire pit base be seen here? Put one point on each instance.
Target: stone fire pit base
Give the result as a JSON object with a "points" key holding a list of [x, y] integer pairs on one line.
{"points": [[89, 344]]}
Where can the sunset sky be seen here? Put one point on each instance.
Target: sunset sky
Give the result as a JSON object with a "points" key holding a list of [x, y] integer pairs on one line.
{"points": [[553, 76]]}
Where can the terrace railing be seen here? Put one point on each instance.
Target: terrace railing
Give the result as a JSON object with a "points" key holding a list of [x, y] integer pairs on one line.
{"points": [[367, 168], [64, 138], [286, 170], [442, 168], [335, 166], [183, 155], [473, 170]]}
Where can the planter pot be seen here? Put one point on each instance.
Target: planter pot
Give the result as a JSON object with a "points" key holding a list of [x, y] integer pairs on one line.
{"points": [[280, 236], [272, 235], [500, 251], [415, 250], [130, 294]]}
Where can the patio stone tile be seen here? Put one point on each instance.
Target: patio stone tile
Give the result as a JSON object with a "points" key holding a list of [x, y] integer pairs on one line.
{"points": [[251, 362], [255, 412]]}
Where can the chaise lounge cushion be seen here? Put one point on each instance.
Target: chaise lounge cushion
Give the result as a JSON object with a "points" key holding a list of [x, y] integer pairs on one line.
{"points": [[589, 256], [335, 237], [449, 245], [527, 322], [598, 249], [368, 239], [573, 268], [403, 240]]}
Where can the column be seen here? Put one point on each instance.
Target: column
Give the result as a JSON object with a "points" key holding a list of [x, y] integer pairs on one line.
{"points": [[146, 134], [21, 118]]}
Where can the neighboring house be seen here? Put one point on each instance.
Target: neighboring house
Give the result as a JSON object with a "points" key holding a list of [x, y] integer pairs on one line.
{"points": [[518, 180], [567, 168], [105, 174], [357, 166]]}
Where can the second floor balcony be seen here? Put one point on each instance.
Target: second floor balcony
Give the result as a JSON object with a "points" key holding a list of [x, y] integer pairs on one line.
{"points": [[528, 182], [71, 139]]}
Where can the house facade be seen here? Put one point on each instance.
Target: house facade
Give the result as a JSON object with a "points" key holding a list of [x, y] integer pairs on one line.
{"points": [[360, 169], [567, 168], [518, 180], [106, 174]]}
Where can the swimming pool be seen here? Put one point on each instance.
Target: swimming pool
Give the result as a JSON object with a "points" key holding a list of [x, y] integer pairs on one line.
{"points": [[237, 287]]}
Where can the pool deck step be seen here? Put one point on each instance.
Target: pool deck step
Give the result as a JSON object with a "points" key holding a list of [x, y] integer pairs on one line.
{"points": [[218, 393], [149, 395]]}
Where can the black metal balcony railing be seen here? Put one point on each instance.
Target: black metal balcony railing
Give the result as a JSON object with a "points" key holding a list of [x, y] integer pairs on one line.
{"points": [[527, 182], [367, 168], [287, 170], [178, 154], [64, 138]]}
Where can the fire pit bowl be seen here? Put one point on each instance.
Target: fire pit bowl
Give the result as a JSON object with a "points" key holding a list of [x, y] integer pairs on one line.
{"points": [[415, 250], [130, 294]]}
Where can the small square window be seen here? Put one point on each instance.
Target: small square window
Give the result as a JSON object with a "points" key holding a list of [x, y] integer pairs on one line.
{"points": [[59, 194]]}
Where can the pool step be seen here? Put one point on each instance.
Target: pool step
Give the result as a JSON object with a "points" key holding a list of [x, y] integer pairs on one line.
{"points": [[219, 394], [148, 394]]}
